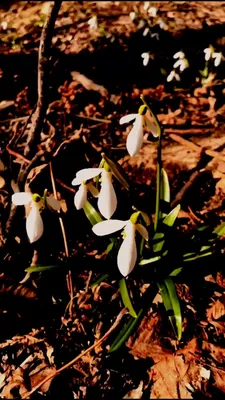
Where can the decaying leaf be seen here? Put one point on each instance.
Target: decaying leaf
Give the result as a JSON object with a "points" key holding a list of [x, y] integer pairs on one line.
{"points": [[216, 311], [135, 393]]}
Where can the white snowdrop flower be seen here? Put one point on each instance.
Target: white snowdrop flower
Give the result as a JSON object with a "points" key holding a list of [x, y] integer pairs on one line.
{"points": [[107, 201], [132, 15], [127, 255], [152, 11], [179, 54], [161, 23], [145, 31], [146, 5], [93, 22], [208, 53], [217, 58], [173, 75], [141, 24], [181, 63], [146, 57], [4, 25], [155, 35], [34, 222], [135, 137]]}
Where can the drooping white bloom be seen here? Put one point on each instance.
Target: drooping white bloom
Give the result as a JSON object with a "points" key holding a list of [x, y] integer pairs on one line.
{"points": [[181, 63], [217, 58], [127, 255], [146, 5], [161, 23], [146, 57], [107, 201], [135, 137], [132, 15], [152, 11], [145, 31], [93, 22], [208, 53], [4, 25], [173, 75], [179, 55], [34, 222]]}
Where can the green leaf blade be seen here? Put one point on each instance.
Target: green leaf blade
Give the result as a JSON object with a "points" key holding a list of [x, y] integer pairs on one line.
{"points": [[126, 297]]}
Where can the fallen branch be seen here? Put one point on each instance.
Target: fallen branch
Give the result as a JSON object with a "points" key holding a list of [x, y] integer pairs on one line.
{"points": [[69, 364]]}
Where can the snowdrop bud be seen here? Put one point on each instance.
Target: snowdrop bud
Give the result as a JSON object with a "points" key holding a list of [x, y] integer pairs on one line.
{"points": [[145, 57], [127, 255], [161, 23], [4, 25], [107, 201], [80, 197], [34, 224], [93, 23]]}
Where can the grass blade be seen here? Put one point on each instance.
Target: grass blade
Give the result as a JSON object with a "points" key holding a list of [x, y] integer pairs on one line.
{"points": [[40, 268]]}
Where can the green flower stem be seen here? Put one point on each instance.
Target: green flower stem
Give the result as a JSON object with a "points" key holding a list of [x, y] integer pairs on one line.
{"points": [[159, 166]]}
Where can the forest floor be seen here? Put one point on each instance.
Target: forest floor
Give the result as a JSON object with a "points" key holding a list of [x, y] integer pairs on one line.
{"points": [[97, 76]]}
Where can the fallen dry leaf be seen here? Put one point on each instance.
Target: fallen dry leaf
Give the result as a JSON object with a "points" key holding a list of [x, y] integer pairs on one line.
{"points": [[135, 393], [216, 352], [216, 311]]}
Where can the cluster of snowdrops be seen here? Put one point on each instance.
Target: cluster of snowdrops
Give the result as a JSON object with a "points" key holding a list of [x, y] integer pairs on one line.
{"points": [[107, 199]]}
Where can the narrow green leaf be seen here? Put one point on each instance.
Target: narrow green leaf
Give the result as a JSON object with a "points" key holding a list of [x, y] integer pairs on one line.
{"points": [[125, 332], [150, 260], [159, 245], [126, 298], [117, 171], [91, 213], [99, 280], [220, 230], [110, 247], [40, 268], [172, 304], [176, 271]]}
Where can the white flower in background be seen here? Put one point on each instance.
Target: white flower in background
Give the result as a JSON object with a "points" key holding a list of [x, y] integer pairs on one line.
{"points": [[217, 58], [132, 15], [107, 201], [181, 63], [179, 55], [4, 25], [34, 223], [146, 5], [146, 57], [145, 31], [135, 137], [152, 11], [93, 22], [156, 35], [173, 75], [141, 24], [208, 53], [127, 255], [161, 23]]}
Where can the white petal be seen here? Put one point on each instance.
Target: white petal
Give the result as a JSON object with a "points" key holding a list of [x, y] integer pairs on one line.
{"points": [[110, 226], [127, 118], [152, 127], [86, 173], [142, 230], [135, 137], [177, 64], [80, 197], [107, 201], [207, 54], [170, 76], [34, 224], [127, 255], [179, 54], [53, 203], [22, 198]]}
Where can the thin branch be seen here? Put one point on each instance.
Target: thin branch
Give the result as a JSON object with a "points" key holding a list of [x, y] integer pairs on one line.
{"points": [[43, 73], [69, 364]]}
